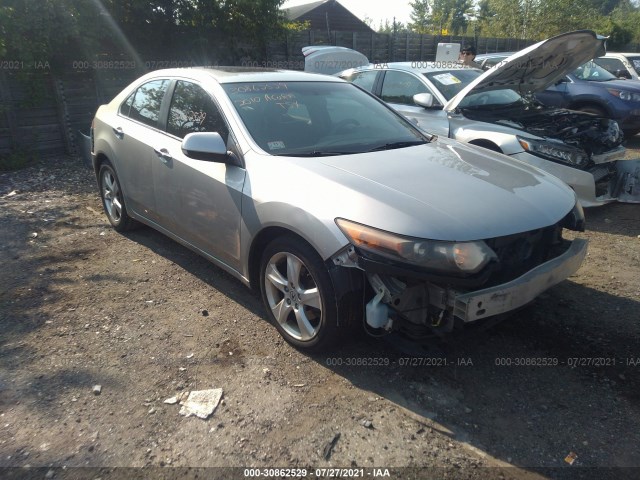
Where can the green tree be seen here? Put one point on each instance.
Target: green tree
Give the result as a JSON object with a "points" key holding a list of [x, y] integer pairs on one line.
{"points": [[420, 16]]}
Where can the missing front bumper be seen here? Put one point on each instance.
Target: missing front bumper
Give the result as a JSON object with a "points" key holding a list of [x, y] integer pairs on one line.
{"points": [[524, 289]]}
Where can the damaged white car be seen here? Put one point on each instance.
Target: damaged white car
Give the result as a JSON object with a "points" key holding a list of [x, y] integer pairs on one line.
{"points": [[497, 110]]}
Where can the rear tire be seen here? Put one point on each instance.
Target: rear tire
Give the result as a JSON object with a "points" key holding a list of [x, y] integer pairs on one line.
{"points": [[113, 199], [298, 294]]}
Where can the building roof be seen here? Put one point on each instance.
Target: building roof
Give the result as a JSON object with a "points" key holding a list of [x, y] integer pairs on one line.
{"points": [[327, 14], [294, 12]]}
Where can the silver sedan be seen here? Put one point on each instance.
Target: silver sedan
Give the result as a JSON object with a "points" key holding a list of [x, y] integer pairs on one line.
{"points": [[336, 208]]}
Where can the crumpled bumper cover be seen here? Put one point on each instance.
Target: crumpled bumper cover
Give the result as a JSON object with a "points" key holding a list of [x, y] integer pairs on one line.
{"points": [[517, 293]]}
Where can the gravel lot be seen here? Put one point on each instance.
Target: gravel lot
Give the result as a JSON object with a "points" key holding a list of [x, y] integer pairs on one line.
{"points": [[146, 319]]}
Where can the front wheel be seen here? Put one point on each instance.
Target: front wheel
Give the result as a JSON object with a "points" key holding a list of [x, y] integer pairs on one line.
{"points": [[113, 199], [298, 293]]}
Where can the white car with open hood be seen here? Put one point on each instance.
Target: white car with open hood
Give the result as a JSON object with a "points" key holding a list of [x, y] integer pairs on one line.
{"points": [[497, 110]]}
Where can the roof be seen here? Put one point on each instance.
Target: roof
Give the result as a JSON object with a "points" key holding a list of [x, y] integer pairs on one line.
{"points": [[327, 15], [242, 74], [294, 12], [419, 67]]}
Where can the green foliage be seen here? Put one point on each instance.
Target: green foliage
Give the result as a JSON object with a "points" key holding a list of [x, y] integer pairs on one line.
{"points": [[52, 30], [527, 19], [297, 26], [438, 16]]}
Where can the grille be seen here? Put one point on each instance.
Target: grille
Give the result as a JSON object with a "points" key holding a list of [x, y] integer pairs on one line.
{"points": [[521, 252]]}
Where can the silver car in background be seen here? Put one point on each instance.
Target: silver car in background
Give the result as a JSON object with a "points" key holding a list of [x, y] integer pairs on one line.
{"points": [[340, 211], [497, 110]]}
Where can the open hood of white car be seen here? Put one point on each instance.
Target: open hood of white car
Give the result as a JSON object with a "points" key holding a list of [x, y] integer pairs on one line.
{"points": [[537, 67]]}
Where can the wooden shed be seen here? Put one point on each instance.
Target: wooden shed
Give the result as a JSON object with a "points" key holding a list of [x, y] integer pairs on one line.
{"points": [[327, 15]]}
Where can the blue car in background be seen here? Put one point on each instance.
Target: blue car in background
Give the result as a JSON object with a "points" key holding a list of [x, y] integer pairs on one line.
{"points": [[591, 88]]}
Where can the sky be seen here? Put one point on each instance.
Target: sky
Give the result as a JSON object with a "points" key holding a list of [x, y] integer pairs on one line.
{"points": [[377, 10]]}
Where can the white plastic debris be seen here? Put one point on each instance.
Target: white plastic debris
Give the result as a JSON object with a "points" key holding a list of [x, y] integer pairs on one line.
{"points": [[97, 389], [171, 401], [11, 194], [201, 403]]}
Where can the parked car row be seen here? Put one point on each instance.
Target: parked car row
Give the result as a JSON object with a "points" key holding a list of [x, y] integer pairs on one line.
{"points": [[338, 209], [497, 110], [591, 87]]}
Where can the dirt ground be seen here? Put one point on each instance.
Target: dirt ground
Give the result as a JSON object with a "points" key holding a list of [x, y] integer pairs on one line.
{"points": [[146, 319]]}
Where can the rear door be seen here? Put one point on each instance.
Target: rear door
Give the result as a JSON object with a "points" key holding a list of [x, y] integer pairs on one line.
{"points": [[136, 123]]}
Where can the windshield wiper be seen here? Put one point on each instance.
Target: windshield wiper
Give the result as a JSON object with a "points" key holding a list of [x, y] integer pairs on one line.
{"points": [[314, 153], [392, 145]]}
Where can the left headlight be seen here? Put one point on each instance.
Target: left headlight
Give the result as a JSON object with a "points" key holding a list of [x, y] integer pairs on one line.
{"points": [[440, 256], [555, 151], [624, 95]]}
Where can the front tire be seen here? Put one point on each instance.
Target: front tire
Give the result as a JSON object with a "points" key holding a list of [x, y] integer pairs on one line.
{"points": [[298, 294], [113, 199]]}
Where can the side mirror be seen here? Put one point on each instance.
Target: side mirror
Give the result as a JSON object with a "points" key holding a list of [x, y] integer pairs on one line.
{"points": [[207, 146], [562, 80], [425, 100]]}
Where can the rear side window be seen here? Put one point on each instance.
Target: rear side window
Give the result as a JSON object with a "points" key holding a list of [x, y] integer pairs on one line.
{"points": [[193, 110], [612, 65], [146, 102]]}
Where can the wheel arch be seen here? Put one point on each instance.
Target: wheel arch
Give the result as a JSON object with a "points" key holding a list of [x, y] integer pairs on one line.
{"points": [[587, 103], [488, 144], [347, 282]]}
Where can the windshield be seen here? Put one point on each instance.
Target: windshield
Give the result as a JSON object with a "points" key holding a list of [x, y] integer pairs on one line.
{"points": [[493, 98], [318, 118], [593, 72], [450, 82]]}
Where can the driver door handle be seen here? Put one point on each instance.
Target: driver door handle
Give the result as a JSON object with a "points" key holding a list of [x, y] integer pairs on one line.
{"points": [[163, 155], [118, 132]]}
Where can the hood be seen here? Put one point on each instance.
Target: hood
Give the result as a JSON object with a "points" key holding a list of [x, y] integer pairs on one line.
{"points": [[444, 190], [537, 67]]}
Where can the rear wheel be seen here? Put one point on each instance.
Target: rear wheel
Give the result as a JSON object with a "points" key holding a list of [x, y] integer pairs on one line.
{"points": [[113, 199], [298, 294]]}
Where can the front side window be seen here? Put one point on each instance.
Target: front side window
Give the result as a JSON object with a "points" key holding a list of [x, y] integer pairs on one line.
{"points": [[593, 72], [147, 101], [400, 87], [193, 110]]}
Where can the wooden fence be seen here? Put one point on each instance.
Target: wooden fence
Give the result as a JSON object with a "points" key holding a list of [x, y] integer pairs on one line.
{"points": [[42, 111]]}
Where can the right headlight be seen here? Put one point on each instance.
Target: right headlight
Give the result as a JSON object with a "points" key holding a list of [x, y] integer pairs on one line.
{"points": [[437, 255], [555, 151]]}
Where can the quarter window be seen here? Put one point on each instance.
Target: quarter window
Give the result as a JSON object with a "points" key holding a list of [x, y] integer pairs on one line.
{"points": [[364, 79], [193, 110]]}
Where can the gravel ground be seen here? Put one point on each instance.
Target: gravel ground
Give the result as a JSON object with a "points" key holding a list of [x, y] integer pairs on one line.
{"points": [[146, 320]]}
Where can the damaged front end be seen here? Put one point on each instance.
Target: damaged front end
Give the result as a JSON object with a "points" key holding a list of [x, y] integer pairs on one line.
{"points": [[577, 140], [441, 286]]}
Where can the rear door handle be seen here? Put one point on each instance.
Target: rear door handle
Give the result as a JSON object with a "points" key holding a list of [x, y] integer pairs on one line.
{"points": [[163, 155], [118, 132]]}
